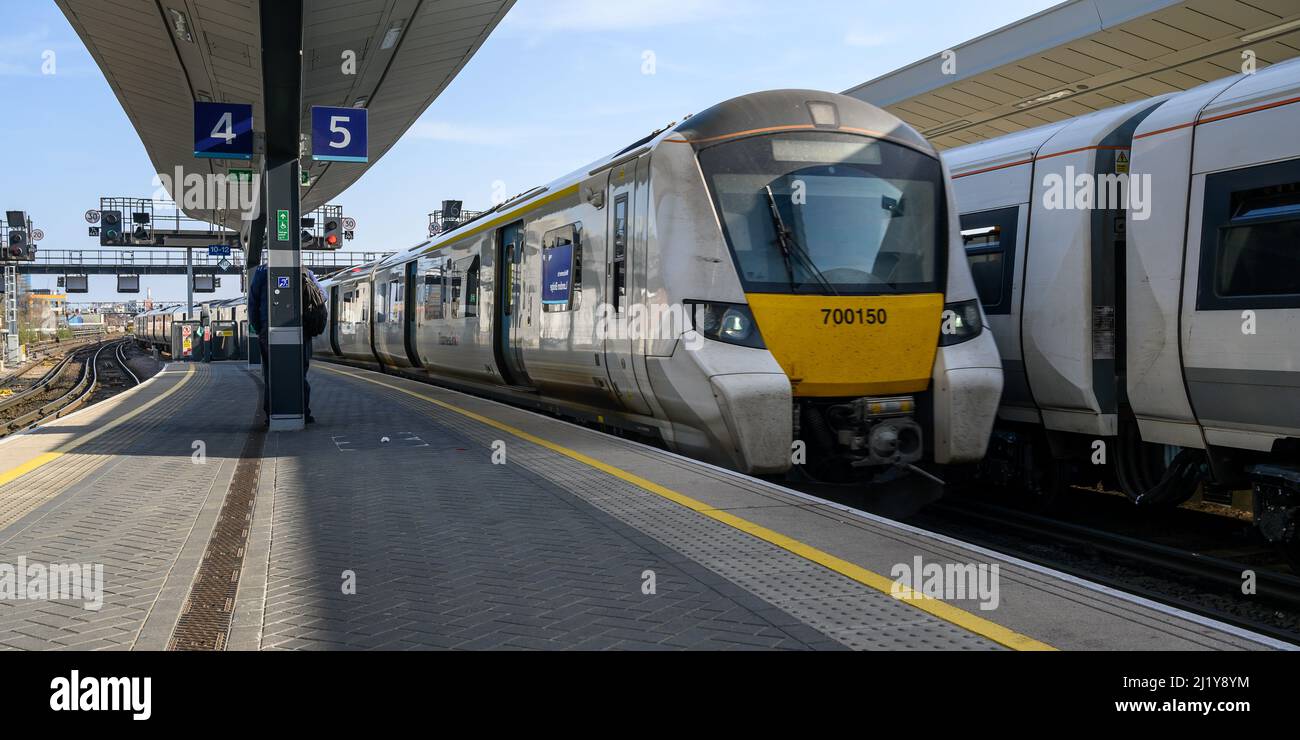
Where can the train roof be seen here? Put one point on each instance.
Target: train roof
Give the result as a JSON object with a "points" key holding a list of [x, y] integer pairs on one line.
{"points": [[1278, 80], [763, 112], [749, 114]]}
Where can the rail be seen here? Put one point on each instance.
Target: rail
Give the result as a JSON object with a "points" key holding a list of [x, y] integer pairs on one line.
{"points": [[74, 398]]}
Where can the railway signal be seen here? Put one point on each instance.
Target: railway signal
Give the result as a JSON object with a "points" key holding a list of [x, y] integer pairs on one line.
{"points": [[333, 233], [110, 229], [308, 235], [17, 244], [142, 233], [20, 244]]}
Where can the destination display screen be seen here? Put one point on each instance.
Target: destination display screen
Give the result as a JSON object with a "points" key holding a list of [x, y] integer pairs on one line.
{"points": [[852, 151]]}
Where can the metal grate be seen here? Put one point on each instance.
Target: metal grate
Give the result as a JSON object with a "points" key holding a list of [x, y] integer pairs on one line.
{"points": [[205, 619]]}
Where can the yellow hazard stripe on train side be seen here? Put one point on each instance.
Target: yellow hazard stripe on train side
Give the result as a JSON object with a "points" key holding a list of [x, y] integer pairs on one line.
{"points": [[44, 459], [935, 607]]}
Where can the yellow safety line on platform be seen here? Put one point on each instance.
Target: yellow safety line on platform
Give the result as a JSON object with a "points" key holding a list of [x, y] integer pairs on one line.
{"points": [[41, 461], [935, 607]]}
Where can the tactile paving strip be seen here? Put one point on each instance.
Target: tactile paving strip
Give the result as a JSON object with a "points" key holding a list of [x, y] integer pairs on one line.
{"points": [[853, 614]]}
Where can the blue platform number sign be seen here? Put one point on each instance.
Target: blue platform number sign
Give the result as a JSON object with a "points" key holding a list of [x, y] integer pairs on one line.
{"points": [[223, 131], [339, 134], [557, 275], [218, 250]]}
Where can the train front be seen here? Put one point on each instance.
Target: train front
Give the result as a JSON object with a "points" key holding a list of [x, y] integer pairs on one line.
{"points": [[836, 218]]}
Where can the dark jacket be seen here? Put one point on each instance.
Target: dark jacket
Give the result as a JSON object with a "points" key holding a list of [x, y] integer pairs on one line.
{"points": [[257, 304], [257, 301]]}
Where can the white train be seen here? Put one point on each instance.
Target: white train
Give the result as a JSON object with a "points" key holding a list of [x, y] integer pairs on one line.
{"points": [[1140, 268], [765, 281]]}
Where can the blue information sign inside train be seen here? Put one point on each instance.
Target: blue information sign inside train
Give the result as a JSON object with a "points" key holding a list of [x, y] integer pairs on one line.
{"points": [[223, 131], [557, 275]]}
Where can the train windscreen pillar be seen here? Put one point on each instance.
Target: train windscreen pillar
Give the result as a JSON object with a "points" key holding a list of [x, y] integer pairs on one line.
{"points": [[282, 31]]}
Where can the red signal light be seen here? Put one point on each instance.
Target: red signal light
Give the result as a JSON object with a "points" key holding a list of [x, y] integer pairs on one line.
{"points": [[331, 240]]}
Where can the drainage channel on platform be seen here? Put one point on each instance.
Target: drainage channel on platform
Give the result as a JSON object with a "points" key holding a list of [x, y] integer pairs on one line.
{"points": [[205, 620]]}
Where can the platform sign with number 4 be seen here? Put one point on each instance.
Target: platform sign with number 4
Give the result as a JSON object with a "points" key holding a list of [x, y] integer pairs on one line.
{"points": [[223, 131], [339, 134]]}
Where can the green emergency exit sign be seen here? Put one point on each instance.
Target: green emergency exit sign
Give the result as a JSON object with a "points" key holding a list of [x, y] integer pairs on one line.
{"points": [[282, 226]]}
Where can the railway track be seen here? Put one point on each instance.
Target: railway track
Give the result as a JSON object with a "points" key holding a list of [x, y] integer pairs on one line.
{"points": [[1187, 578], [67, 386], [39, 354]]}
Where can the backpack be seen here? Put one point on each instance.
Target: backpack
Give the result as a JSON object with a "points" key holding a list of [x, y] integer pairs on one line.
{"points": [[314, 313]]}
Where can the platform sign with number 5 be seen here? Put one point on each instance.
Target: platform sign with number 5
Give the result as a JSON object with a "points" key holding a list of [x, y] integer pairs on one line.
{"points": [[223, 131], [339, 134]]}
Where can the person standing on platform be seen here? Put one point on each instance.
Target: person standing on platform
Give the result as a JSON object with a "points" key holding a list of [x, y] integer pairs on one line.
{"points": [[315, 317]]}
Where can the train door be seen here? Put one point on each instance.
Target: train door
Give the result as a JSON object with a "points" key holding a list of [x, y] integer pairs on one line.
{"points": [[618, 338], [334, 319], [1243, 297], [507, 305], [995, 248], [409, 324]]}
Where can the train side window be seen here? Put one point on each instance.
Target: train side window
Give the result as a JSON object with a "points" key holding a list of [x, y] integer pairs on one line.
{"points": [[452, 285], [1249, 237], [561, 268], [444, 283], [430, 294], [619, 259], [471, 289], [990, 241], [394, 305]]}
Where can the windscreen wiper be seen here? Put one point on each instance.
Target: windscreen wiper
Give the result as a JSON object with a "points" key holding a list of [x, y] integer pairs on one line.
{"points": [[782, 239], [792, 248]]}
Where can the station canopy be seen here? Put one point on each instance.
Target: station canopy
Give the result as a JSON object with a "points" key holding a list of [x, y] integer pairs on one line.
{"points": [[1082, 56], [160, 57]]}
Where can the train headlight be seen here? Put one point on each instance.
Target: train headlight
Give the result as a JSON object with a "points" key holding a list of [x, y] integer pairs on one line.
{"points": [[732, 323], [962, 322]]}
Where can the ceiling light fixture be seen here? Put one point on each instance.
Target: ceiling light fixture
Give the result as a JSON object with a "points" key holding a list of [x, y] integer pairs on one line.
{"points": [[1050, 98], [181, 25], [1257, 35], [394, 33]]}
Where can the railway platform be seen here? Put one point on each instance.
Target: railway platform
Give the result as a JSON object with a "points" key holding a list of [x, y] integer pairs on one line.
{"points": [[415, 517]]}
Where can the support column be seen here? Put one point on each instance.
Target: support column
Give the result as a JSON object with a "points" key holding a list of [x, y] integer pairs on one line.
{"points": [[282, 101]]}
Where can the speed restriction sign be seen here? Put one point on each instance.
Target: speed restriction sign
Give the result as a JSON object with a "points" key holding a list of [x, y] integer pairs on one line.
{"points": [[37, 235], [349, 223], [92, 217]]}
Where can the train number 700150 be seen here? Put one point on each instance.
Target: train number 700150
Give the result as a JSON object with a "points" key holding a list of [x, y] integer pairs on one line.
{"points": [[851, 316]]}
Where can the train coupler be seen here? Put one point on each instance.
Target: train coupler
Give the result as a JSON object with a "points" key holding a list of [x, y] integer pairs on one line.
{"points": [[1277, 502]]}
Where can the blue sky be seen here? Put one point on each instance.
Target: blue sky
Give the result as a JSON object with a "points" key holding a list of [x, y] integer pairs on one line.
{"points": [[559, 84]]}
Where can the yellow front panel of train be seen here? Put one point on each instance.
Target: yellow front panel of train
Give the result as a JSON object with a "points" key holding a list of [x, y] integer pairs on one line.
{"points": [[832, 346]]}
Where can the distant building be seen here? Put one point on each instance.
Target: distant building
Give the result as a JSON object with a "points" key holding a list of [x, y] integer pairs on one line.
{"points": [[41, 311]]}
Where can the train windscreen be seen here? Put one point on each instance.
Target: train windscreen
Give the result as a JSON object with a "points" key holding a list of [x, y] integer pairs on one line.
{"points": [[829, 213]]}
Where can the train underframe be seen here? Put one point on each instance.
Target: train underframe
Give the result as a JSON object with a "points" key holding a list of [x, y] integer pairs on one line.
{"points": [[1041, 465], [870, 439]]}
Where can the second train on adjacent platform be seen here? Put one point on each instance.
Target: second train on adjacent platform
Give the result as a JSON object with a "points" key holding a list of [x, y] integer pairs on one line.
{"points": [[1140, 269]]}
